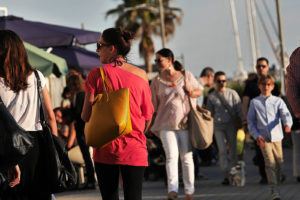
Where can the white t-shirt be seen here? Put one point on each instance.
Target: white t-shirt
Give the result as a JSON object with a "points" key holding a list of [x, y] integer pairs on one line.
{"points": [[24, 105]]}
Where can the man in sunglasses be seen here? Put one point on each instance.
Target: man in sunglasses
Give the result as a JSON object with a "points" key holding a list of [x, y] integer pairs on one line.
{"points": [[251, 91], [225, 106]]}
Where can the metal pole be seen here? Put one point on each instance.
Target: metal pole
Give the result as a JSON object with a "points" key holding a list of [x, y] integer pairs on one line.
{"points": [[236, 35], [251, 33], [162, 23], [280, 35]]}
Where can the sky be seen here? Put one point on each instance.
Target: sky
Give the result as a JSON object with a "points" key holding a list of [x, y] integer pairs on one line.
{"points": [[204, 37]]}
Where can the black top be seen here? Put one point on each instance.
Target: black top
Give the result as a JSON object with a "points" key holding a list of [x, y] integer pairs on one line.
{"points": [[77, 109], [252, 90]]}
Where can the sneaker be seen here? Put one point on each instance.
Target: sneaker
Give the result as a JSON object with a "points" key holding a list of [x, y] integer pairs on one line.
{"points": [[225, 181], [188, 197], [275, 196], [263, 181], [172, 196], [282, 178]]}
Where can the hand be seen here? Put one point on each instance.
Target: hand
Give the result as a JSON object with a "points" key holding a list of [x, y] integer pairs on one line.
{"points": [[287, 129], [14, 176], [260, 141]]}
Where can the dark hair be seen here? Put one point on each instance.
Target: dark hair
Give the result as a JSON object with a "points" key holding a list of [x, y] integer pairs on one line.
{"points": [[262, 59], [167, 53], [207, 71], [121, 39], [75, 83], [219, 73], [265, 78], [14, 65]]}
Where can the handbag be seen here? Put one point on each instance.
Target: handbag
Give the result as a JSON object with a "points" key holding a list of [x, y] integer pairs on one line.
{"points": [[110, 117], [200, 123], [237, 121], [59, 172], [15, 142]]}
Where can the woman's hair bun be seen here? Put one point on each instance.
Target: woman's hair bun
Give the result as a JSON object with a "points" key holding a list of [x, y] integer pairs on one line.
{"points": [[127, 35]]}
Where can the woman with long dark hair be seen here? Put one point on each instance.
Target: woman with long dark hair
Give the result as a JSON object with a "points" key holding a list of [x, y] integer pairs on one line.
{"points": [[127, 154], [18, 90]]}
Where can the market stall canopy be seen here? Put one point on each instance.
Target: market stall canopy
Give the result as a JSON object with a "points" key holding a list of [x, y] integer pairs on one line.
{"points": [[47, 35], [47, 63], [78, 58]]}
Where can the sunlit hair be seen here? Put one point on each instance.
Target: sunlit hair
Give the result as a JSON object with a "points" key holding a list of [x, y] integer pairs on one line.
{"points": [[14, 65], [265, 79]]}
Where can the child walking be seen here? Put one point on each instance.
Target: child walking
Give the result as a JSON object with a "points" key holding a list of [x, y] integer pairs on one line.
{"points": [[265, 116]]}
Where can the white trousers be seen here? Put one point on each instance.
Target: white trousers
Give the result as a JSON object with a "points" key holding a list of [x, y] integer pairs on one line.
{"points": [[177, 143]]}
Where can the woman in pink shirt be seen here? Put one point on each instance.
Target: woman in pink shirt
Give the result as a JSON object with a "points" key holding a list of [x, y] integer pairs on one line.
{"points": [[127, 154], [171, 90]]}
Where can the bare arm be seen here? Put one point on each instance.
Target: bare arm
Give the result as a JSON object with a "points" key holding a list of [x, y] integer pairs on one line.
{"points": [[87, 106], [49, 114]]}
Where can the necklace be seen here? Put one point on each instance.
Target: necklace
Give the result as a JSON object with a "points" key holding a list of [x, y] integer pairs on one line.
{"points": [[170, 83]]}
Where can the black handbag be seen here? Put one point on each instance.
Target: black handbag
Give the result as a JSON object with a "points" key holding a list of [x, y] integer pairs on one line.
{"points": [[15, 142], [60, 173]]}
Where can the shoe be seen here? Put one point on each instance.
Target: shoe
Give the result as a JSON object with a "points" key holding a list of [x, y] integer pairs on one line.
{"points": [[282, 178], [188, 197], [89, 186], [225, 181], [263, 181], [172, 196], [275, 196]]}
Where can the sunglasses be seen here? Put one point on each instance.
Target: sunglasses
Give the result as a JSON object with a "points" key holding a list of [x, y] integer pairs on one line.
{"points": [[158, 60], [261, 66], [221, 81], [100, 45]]}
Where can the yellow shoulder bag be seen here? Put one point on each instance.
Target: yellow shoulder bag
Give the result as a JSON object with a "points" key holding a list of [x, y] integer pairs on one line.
{"points": [[110, 117]]}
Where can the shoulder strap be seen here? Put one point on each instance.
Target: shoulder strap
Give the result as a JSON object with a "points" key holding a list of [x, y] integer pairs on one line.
{"points": [[107, 86], [185, 81], [225, 104], [41, 98]]}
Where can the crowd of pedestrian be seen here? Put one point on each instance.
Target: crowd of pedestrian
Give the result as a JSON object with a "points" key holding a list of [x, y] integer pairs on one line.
{"points": [[159, 114]]}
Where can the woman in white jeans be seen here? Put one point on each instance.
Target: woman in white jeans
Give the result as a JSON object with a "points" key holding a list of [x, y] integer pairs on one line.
{"points": [[170, 92]]}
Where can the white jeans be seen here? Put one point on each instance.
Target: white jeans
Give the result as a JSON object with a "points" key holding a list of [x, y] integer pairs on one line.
{"points": [[177, 143]]}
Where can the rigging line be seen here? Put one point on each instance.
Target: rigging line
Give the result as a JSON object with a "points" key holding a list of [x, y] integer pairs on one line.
{"points": [[270, 17], [267, 33]]}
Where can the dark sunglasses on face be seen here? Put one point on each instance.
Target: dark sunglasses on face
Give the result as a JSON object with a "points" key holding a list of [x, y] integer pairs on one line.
{"points": [[158, 60], [261, 66], [100, 45], [221, 81]]}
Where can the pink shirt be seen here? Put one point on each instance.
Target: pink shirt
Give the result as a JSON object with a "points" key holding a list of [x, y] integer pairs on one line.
{"points": [[171, 103], [129, 149]]}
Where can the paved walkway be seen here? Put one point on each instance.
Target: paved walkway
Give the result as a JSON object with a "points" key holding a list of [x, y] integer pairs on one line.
{"points": [[209, 188]]}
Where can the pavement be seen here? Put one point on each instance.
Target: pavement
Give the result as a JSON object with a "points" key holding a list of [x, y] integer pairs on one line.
{"points": [[209, 186]]}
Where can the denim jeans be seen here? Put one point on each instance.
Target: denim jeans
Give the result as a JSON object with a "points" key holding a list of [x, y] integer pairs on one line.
{"points": [[177, 143]]}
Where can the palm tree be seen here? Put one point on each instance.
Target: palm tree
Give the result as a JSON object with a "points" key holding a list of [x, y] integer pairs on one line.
{"points": [[142, 18]]}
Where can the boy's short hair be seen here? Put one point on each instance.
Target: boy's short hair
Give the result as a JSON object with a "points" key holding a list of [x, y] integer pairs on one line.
{"points": [[266, 78]]}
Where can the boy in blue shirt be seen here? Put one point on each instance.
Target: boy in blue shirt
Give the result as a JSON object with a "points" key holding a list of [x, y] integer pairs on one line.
{"points": [[265, 116]]}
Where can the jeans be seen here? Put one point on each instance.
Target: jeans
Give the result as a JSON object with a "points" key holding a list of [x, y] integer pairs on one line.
{"points": [[177, 143], [225, 136], [108, 180]]}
